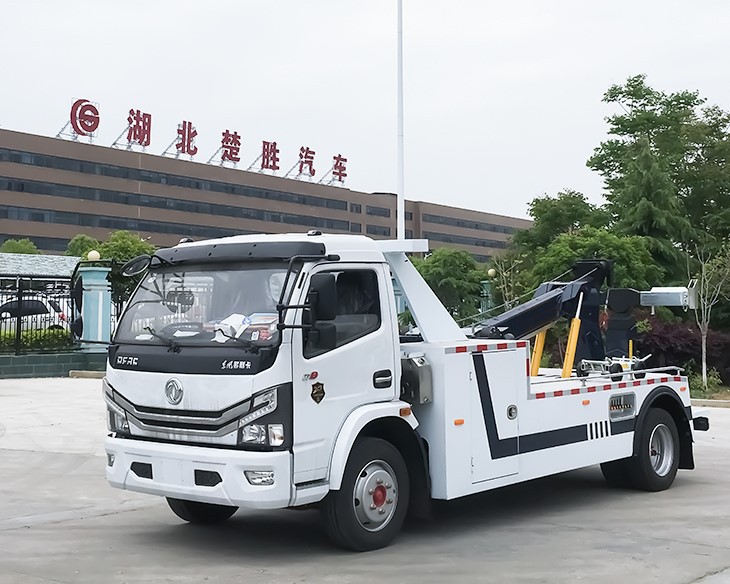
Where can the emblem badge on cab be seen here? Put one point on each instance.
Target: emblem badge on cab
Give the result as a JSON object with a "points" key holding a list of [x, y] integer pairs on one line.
{"points": [[173, 391]]}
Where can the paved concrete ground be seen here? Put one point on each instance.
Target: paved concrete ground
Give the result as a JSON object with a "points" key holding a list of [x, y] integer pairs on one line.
{"points": [[60, 522]]}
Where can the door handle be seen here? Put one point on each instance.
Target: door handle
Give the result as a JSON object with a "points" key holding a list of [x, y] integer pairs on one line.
{"points": [[382, 379]]}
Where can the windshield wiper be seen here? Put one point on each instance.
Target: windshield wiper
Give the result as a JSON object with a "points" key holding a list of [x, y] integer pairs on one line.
{"points": [[167, 340], [244, 343]]}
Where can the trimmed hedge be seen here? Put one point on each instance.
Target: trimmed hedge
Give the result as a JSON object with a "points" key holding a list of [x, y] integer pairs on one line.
{"points": [[36, 340]]}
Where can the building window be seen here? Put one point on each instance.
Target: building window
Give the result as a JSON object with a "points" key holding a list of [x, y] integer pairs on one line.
{"points": [[468, 224], [355, 227], [163, 178], [355, 208], [409, 233], [377, 211], [450, 238], [87, 220], [377, 230], [409, 215], [133, 199]]}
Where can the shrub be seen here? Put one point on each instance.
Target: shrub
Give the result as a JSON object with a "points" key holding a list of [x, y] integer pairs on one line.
{"points": [[679, 342], [697, 388], [36, 340]]}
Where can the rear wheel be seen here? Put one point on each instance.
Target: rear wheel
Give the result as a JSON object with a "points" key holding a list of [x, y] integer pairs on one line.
{"points": [[654, 465], [368, 511], [200, 513]]}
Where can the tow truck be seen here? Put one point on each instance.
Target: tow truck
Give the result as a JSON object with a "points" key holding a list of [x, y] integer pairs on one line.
{"points": [[269, 372]]}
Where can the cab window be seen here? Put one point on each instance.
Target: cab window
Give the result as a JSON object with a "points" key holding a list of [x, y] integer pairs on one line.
{"points": [[358, 308]]}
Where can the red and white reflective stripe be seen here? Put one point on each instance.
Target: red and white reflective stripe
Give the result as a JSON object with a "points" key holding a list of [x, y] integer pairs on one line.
{"points": [[482, 348], [606, 387]]}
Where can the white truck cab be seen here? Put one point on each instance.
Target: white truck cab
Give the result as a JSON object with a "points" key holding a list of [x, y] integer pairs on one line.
{"points": [[267, 371]]}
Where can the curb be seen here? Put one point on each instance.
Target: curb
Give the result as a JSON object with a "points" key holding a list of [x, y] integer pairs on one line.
{"points": [[79, 374], [711, 403]]}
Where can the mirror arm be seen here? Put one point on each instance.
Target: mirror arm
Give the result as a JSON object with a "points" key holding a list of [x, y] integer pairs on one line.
{"points": [[281, 326]]}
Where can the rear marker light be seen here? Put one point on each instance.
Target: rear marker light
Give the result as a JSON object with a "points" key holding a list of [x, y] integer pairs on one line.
{"points": [[109, 459], [459, 422]]}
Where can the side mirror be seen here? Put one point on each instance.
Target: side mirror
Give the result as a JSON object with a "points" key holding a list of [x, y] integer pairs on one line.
{"points": [[77, 294], [323, 337], [136, 265], [323, 296], [77, 327]]}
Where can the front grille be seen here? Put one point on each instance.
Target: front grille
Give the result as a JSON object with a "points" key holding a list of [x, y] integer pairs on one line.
{"points": [[142, 469], [217, 423], [207, 478]]}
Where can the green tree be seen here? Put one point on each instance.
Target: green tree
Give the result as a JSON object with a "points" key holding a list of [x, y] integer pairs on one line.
{"points": [[19, 246], [567, 212], [713, 281], [455, 277], [120, 247], [690, 141], [124, 245], [80, 245], [648, 206], [633, 265]]}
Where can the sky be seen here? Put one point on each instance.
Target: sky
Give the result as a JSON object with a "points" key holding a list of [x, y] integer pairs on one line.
{"points": [[502, 100]]}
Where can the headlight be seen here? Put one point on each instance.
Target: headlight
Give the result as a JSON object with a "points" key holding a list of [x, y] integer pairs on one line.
{"points": [[254, 434], [263, 403], [116, 419]]}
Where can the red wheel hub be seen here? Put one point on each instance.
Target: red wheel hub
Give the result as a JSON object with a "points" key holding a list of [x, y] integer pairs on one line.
{"points": [[379, 496]]}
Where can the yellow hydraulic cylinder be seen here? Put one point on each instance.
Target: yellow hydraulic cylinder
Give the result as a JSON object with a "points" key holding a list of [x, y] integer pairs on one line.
{"points": [[537, 353], [572, 341]]}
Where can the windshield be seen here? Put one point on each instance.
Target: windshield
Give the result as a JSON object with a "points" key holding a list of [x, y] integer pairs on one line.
{"points": [[205, 306]]}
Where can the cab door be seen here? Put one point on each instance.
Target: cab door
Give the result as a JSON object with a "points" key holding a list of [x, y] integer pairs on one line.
{"points": [[360, 369]]}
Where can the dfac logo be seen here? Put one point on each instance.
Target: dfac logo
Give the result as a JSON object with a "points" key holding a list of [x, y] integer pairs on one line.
{"points": [[174, 391]]}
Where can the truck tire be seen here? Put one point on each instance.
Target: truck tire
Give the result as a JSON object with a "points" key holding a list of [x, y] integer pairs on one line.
{"points": [[616, 473], [368, 511], [200, 513], [654, 465]]}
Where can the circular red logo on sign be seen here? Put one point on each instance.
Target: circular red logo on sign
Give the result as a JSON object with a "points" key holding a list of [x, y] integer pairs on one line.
{"points": [[84, 117]]}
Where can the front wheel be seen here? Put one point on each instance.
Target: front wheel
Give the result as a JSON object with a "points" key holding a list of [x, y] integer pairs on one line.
{"points": [[200, 513], [368, 511]]}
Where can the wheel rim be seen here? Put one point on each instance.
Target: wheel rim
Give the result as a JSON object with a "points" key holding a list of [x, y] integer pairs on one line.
{"points": [[661, 450], [375, 496]]}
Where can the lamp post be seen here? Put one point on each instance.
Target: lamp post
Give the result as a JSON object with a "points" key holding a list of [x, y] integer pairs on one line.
{"points": [[400, 209]]}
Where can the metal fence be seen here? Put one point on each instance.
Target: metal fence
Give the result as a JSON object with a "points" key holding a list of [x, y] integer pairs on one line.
{"points": [[35, 314]]}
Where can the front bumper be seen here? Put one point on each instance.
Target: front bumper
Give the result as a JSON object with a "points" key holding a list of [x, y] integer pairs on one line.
{"points": [[173, 473]]}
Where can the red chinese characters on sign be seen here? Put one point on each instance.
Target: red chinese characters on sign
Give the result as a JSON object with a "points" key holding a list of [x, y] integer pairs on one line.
{"points": [[231, 144], [140, 127], [306, 158], [84, 117], [339, 169], [269, 156], [187, 134]]}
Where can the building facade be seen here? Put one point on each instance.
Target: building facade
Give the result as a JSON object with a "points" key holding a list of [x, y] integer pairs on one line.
{"points": [[53, 189]]}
